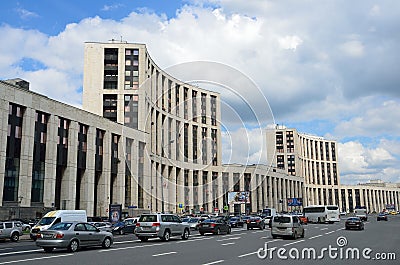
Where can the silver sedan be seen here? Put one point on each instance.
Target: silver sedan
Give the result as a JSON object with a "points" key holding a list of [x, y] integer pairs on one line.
{"points": [[73, 235]]}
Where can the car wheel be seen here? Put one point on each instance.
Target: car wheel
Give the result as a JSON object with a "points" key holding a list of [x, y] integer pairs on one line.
{"points": [[248, 228], [73, 246], [302, 235], [166, 235], [48, 250], [274, 236], [185, 234], [143, 239], [202, 233], [15, 237], [106, 242], [121, 232], [295, 235], [218, 231], [229, 230]]}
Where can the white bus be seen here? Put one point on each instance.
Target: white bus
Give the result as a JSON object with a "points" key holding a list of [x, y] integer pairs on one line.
{"points": [[322, 213]]}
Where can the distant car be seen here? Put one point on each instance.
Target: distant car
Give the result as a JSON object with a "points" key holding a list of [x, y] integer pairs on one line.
{"points": [[103, 226], [10, 230], [255, 222], [194, 222], [393, 212], [236, 221], [381, 217], [303, 219], [161, 225], [214, 226], [354, 223], [127, 226], [73, 236], [286, 226], [24, 223]]}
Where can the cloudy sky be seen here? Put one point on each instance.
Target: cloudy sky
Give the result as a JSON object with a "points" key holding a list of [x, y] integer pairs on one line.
{"points": [[329, 68]]}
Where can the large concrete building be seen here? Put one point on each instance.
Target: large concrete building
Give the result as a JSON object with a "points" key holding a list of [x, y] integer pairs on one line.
{"points": [[315, 160], [150, 142]]}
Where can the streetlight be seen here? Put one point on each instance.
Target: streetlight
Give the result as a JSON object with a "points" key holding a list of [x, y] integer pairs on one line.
{"points": [[162, 175]]}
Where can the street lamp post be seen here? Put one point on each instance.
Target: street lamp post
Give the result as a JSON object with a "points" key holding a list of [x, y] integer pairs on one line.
{"points": [[162, 176]]}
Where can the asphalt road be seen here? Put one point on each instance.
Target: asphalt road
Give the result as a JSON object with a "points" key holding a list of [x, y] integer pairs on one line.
{"points": [[330, 243]]}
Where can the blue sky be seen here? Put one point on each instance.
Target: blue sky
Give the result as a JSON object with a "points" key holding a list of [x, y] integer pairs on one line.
{"points": [[328, 68]]}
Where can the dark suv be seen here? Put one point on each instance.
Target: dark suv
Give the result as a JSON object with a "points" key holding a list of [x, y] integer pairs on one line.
{"points": [[161, 225]]}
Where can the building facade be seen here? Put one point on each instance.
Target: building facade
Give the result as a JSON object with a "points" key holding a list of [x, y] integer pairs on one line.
{"points": [[150, 142], [315, 160]]}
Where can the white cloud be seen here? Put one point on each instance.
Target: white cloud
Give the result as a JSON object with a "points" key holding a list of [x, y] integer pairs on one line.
{"points": [[290, 42], [111, 7], [26, 14], [353, 48]]}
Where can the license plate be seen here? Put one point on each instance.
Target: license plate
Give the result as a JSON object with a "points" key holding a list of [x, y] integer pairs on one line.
{"points": [[205, 225], [47, 236]]}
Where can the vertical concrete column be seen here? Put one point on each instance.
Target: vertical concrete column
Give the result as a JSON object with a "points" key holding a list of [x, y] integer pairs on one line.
{"points": [[220, 193], [4, 105], [190, 186], [180, 199], [68, 183], [284, 195], [275, 202], [270, 191], [280, 208], [88, 177], [171, 188], [26, 161], [375, 201], [103, 188], [259, 189], [51, 161], [121, 171], [134, 176]]}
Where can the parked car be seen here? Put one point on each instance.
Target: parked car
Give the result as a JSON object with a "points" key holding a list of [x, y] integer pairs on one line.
{"points": [[215, 226], [10, 230], [124, 227], [236, 221], [103, 226], [161, 225], [303, 219], [194, 222], [73, 235], [381, 217], [286, 226], [24, 222], [354, 223], [255, 222]]}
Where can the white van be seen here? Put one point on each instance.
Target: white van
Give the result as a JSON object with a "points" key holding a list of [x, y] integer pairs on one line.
{"points": [[361, 213], [286, 226], [54, 217]]}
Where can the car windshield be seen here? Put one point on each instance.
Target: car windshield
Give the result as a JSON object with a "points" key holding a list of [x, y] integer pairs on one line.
{"points": [[185, 219], [193, 220], [209, 221], [148, 218], [46, 220], [234, 219], [61, 226], [282, 219]]}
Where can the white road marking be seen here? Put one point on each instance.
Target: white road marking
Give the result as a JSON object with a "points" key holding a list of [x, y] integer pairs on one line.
{"points": [[288, 244], [327, 233], [324, 228], [230, 243], [46, 257], [18, 252], [314, 237], [214, 262], [230, 238], [163, 254], [247, 254]]}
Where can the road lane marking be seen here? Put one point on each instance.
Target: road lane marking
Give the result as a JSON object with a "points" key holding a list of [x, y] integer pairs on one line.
{"points": [[339, 229], [193, 240], [124, 242], [231, 238], [327, 233], [288, 244], [314, 237], [163, 254], [247, 254], [32, 259], [214, 262], [324, 228], [19, 252], [255, 232], [230, 243]]}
